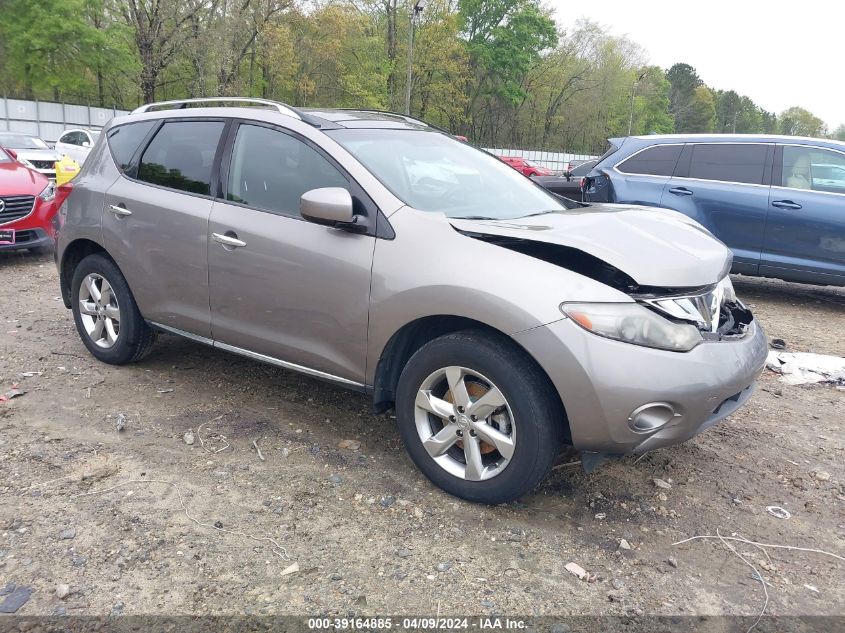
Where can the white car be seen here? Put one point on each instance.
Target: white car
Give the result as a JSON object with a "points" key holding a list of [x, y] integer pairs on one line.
{"points": [[77, 144], [31, 151]]}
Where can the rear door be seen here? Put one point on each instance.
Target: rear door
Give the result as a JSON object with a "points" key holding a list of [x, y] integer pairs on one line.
{"points": [[155, 221], [283, 288], [725, 187], [805, 233]]}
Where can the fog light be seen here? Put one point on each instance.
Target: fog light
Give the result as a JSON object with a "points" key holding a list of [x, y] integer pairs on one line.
{"points": [[651, 416]]}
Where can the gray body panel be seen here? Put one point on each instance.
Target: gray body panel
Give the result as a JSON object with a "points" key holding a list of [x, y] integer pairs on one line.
{"points": [[296, 291], [167, 232]]}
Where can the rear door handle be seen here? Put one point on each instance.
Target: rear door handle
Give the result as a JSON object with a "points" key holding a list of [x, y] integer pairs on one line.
{"points": [[119, 210], [786, 204], [681, 191], [228, 240]]}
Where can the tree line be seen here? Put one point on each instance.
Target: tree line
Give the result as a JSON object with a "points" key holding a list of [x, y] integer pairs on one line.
{"points": [[500, 72]]}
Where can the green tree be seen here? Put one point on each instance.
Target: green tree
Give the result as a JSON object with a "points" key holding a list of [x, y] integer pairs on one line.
{"points": [[684, 81], [839, 133], [800, 122]]}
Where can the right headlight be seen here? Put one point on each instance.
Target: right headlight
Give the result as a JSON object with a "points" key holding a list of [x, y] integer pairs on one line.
{"points": [[633, 323]]}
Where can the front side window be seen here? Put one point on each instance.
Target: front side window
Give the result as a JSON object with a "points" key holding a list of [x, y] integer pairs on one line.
{"points": [[181, 156], [659, 160], [813, 168], [271, 170], [125, 139], [434, 172], [743, 163]]}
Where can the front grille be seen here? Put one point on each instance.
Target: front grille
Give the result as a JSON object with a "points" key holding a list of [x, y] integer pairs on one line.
{"points": [[43, 164], [15, 207], [22, 237]]}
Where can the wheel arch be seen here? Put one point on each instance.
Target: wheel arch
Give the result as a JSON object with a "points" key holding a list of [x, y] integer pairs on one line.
{"points": [[74, 253], [413, 335]]}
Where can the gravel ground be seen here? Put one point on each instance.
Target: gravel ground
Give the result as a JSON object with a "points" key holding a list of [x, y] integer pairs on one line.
{"points": [[99, 521]]}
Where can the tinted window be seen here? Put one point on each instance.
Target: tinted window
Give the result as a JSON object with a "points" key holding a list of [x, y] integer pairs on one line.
{"points": [[181, 155], [125, 139], [271, 170], [811, 168], [655, 161], [730, 163]]}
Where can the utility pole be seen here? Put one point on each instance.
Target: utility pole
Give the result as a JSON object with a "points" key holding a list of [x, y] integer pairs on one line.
{"points": [[419, 5]]}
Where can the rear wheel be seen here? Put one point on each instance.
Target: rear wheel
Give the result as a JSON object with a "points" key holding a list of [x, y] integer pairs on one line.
{"points": [[479, 417], [105, 312]]}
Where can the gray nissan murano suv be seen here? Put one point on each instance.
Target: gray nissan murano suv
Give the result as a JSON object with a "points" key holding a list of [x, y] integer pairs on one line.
{"points": [[379, 253]]}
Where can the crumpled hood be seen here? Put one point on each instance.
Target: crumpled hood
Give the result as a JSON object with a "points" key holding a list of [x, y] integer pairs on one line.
{"points": [[656, 247]]}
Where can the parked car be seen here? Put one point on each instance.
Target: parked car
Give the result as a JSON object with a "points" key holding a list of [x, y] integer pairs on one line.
{"points": [[525, 167], [27, 207], [31, 151], [570, 183], [499, 324], [77, 144], [776, 201]]}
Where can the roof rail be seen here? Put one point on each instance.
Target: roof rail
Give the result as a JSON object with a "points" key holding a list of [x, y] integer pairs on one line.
{"points": [[182, 103]]}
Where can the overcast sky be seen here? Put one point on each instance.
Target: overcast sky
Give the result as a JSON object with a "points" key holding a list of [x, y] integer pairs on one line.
{"points": [[778, 53]]}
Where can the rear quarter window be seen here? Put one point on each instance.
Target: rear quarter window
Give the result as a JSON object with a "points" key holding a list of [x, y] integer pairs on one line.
{"points": [[659, 160], [125, 139]]}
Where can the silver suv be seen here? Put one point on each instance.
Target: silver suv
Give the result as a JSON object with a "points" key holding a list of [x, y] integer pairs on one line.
{"points": [[374, 251]]}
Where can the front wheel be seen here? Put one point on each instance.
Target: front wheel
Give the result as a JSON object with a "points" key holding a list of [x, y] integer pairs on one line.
{"points": [[105, 312], [479, 417]]}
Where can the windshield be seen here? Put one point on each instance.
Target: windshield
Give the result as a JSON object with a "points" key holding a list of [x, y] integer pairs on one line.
{"points": [[16, 141], [431, 171]]}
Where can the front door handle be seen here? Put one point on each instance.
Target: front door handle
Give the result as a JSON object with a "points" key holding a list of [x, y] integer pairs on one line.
{"points": [[228, 240], [681, 191], [786, 204], [119, 210]]}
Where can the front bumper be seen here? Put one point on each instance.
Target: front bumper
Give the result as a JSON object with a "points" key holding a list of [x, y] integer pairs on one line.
{"points": [[29, 238], [601, 382]]}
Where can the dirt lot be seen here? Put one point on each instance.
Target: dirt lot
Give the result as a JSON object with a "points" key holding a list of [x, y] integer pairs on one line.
{"points": [[85, 505]]}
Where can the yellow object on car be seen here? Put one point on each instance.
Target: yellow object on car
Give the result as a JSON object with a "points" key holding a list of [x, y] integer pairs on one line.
{"points": [[66, 169]]}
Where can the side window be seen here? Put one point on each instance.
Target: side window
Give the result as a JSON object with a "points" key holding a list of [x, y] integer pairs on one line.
{"points": [[181, 156], [68, 138], [813, 168], [271, 170], [125, 139], [726, 162], [655, 161]]}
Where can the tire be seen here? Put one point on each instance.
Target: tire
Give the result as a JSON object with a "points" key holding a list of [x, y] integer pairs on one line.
{"points": [[129, 338], [531, 421]]}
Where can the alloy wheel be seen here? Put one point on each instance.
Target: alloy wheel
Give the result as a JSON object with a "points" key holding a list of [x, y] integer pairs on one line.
{"points": [[99, 310], [465, 423]]}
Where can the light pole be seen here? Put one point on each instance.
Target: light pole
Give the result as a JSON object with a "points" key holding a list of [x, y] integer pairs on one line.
{"points": [[419, 5], [633, 86]]}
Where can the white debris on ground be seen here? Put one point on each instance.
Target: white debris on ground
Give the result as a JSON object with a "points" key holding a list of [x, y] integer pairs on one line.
{"points": [[800, 368]]}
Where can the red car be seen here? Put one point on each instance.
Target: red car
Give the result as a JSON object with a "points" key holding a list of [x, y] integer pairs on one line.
{"points": [[28, 207], [524, 167]]}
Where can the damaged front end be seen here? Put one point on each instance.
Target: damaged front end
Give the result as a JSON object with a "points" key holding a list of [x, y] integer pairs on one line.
{"points": [[713, 309]]}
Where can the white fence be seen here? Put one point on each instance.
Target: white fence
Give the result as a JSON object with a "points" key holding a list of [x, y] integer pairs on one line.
{"points": [[48, 120], [556, 161]]}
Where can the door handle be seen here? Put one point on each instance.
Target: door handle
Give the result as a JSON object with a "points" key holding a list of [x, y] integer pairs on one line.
{"points": [[119, 210], [228, 240], [680, 191], [786, 204]]}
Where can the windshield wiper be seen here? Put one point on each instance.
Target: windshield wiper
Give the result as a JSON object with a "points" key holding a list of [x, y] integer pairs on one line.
{"points": [[472, 217], [531, 215]]}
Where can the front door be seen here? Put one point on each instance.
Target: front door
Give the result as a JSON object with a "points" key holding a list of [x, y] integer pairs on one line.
{"points": [[282, 287], [155, 224], [805, 234]]}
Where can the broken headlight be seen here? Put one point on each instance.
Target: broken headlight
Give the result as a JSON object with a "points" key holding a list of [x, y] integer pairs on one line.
{"points": [[633, 323]]}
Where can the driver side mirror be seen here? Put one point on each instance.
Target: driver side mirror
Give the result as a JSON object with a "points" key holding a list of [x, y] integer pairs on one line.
{"points": [[567, 175], [86, 144], [330, 206]]}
